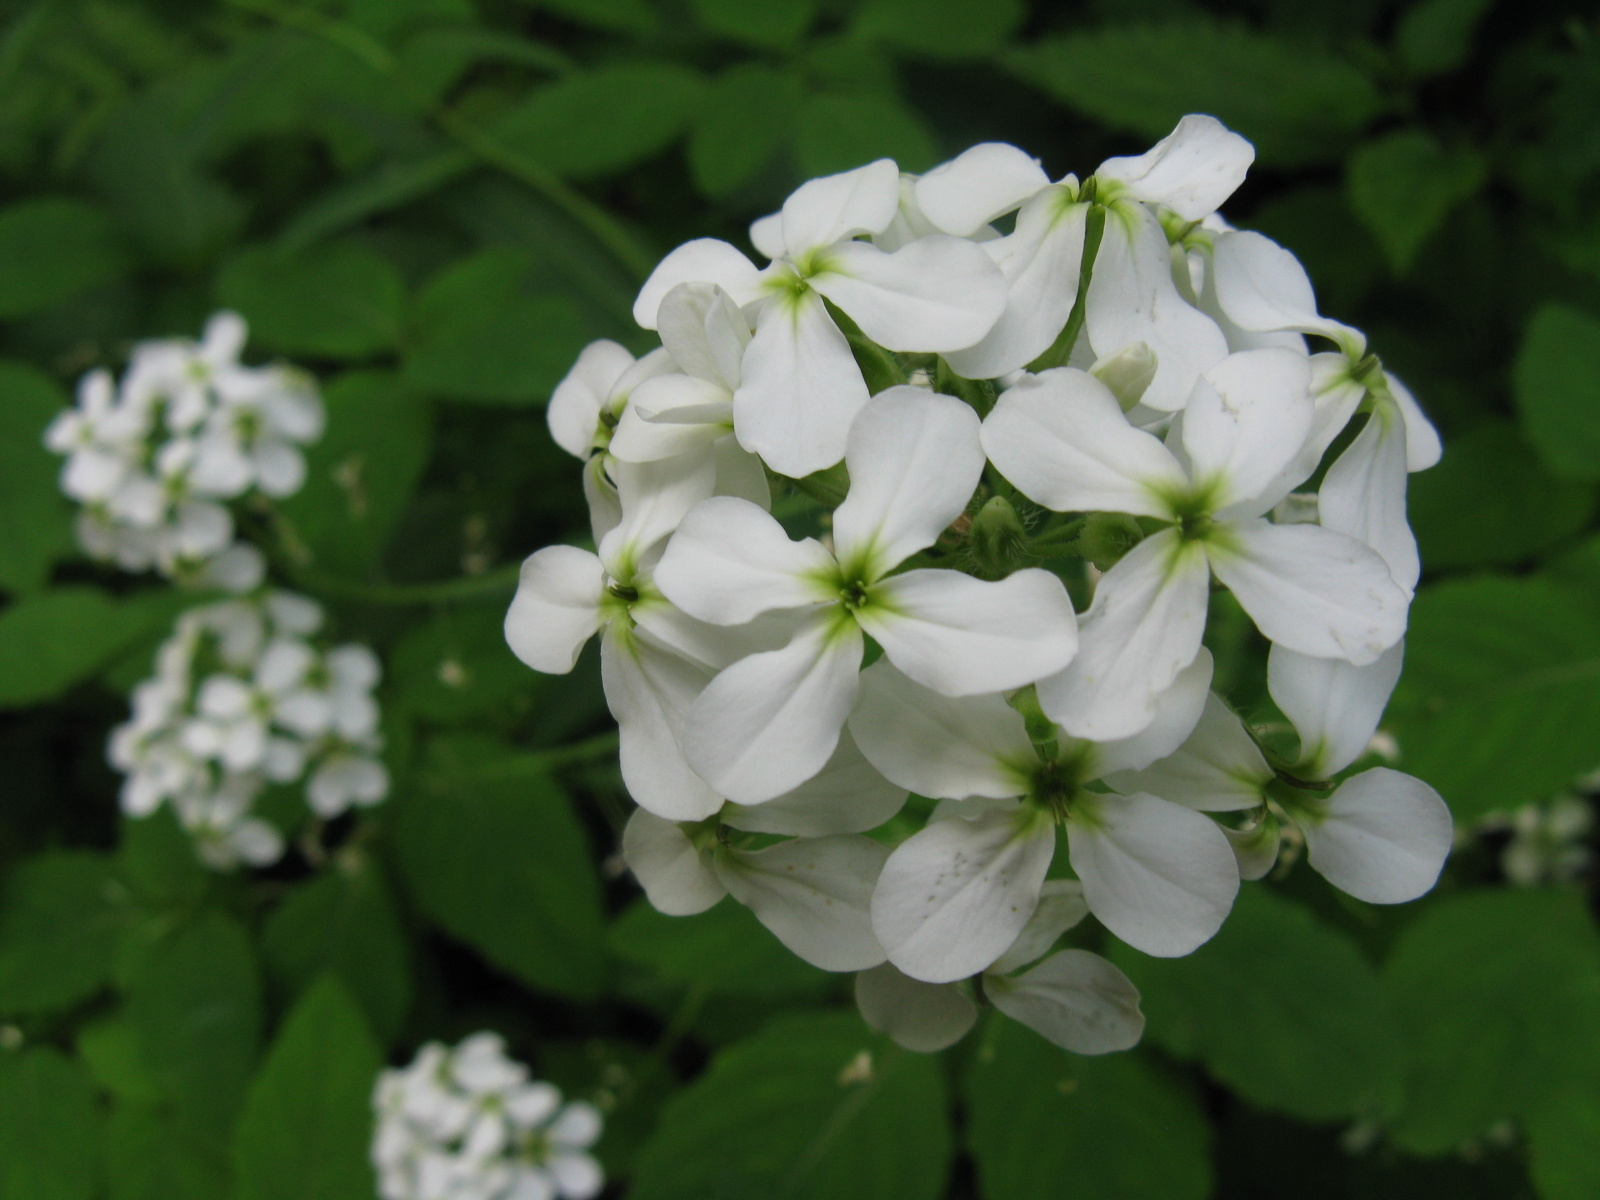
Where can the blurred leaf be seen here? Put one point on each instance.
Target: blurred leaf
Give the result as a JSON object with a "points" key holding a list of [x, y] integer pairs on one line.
{"points": [[1435, 36], [52, 1134], [1404, 185], [456, 666], [1044, 1124], [157, 861], [1499, 992], [111, 1049], [1563, 1129], [35, 522], [342, 923], [839, 132], [1499, 705], [361, 474], [149, 1160], [385, 187], [480, 334], [1557, 387], [603, 120], [1282, 1009], [941, 28], [63, 916], [813, 1106], [52, 640], [1297, 103], [623, 16], [1490, 501], [724, 949], [748, 114], [341, 300], [772, 24], [306, 1126], [486, 837], [52, 249]]}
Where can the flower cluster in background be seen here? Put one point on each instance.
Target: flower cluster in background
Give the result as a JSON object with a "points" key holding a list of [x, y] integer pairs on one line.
{"points": [[154, 458], [467, 1123], [1549, 841], [1026, 424]]}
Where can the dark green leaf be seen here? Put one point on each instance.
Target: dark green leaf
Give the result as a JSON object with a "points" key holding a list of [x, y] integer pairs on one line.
{"points": [[156, 859], [748, 114], [52, 1134], [1435, 36], [112, 1051], [623, 16], [1045, 1124], [388, 186], [35, 525], [456, 667], [306, 1126], [1557, 385], [773, 23], [1404, 185], [52, 640], [813, 1106], [941, 28], [341, 300], [1563, 1130], [63, 916], [838, 132], [50, 250], [724, 949], [149, 1160]]}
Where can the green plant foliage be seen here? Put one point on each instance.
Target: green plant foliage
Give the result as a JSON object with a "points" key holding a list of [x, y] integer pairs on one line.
{"points": [[1435, 36], [60, 928], [748, 114], [941, 28], [35, 528], [52, 1136], [837, 132], [1558, 390], [1404, 185], [52, 640], [342, 301], [775, 25], [50, 251], [724, 949]]}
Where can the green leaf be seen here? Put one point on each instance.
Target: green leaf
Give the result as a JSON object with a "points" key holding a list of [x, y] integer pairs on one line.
{"points": [[1499, 993], [813, 1106], [111, 1049], [149, 1160], [52, 640], [387, 186], [1297, 103], [941, 28], [52, 1134], [1404, 185], [1435, 36], [1044, 1124], [35, 522], [1281, 1008], [622, 16], [1490, 501], [1499, 704], [483, 333], [724, 949], [361, 474], [603, 120], [305, 1129], [748, 114], [493, 854], [157, 860], [455, 667], [50, 251], [63, 917], [343, 924], [1563, 1129], [341, 300], [838, 132], [1557, 388], [772, 24]]}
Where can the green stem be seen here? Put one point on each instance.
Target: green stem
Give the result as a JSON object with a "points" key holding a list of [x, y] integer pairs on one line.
{"points": [[502, 579], [1061, 349]]}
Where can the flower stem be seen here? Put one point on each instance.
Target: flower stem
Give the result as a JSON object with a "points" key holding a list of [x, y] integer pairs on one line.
{"points": [[1060, 350]]}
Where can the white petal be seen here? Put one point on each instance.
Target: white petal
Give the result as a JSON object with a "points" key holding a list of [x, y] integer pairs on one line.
{"points": [[1422, 439], [1262, 287], [675, 876], [714, 646], [670, 415], [1144, 626], [654, 496], [827, 210], [704, 332], [914, 459], [1061, 906], [1315, 591], [1364, 494], [729, 562], [815, 894], [280, 469], [961, 636], [1218, 769], [1075, 999], [940, 746], [937, 293], [605, 510], [1248, 418], [801, 387], [1132, 298], [740, 473], [649, 691], [990, 179], [1255, 847], [1191, 171], [954, 897], [1160, 877], [1040, 261], [924, 1017], [766, 235], [574, 409], [556, 608], [704, 260], [1062, 439], [1178, 711], [847, 796], [1384, 837], [771, 721], [577, 1176], [1335, 707]]}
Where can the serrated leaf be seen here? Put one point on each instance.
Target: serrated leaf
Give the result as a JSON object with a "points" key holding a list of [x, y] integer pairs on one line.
{"points": [[839, 132], [1404, 185], [1282, 1009], [1557, 388], [340, 301], [306, 1126], [813, 1106], [747, 116], [35, 521], [1297, 103], [941, 28], [51, 250], [52, 1134], [1044, 1123], [724, 949], [773, 24], [62, 917]]}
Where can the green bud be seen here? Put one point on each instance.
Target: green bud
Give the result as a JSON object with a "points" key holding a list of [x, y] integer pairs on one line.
{"points": [[998, 540], [1041, 729], [1127, 373], [1106, 537]]}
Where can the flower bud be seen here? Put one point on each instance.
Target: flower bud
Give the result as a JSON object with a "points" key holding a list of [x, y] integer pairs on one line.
{"points": [[1106, 537], [1127, 373], [998, 539]]}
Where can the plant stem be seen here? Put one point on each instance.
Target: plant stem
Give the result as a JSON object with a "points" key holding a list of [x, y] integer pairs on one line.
{"points": [[1060, 350]]}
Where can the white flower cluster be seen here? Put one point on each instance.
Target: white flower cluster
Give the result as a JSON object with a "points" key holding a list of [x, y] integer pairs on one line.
{"points": [[154, 458], [468, 1124], [1548, 841], [976, 372], [242, 698]]}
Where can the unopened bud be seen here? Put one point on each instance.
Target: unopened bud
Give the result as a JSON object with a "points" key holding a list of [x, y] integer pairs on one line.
{"points": [[1106, 537], [1127, 373], [998, 539]]}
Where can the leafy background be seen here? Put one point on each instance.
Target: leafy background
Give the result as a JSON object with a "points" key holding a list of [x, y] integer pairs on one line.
{"points": [[434, 204]]}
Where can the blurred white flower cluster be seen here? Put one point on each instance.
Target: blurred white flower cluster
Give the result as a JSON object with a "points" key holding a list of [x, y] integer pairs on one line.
{"points": [[154, 458], [241, 699], [466, 1123], [1548, 841], [996, 387]]}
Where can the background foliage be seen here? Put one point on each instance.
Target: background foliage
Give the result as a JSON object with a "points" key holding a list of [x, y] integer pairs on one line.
{"points": [[434, 204]]}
